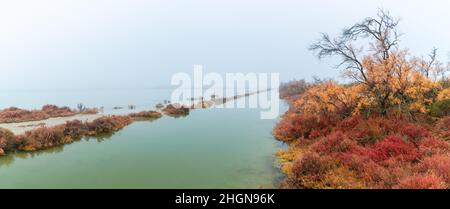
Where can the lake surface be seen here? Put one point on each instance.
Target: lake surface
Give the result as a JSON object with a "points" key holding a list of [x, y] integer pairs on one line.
{"points": [[210, 148]]}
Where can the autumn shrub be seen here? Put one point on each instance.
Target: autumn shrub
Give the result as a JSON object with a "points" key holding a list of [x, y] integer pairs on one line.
{"points": [[286, 130], [337, 158], [294, 126], [403, 153], [442, 128], [443, 95], [432, 146], [391, 128], [55, 111], [42, 138], [175, 111], [364, 131], [414, 132], [15, 115], [7, 140], [145, 115], [438, 165], [429, 181], [45, 137], [75, 129], [329, 98], [108, 124], [336, 142], [394, 147], [309, 170]]}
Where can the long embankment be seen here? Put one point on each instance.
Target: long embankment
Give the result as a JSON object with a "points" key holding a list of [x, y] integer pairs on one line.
{"points": [[22, 127]]}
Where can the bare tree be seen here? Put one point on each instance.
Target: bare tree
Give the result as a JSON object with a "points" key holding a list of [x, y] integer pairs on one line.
{"points": [[81, 107], [381, 31], [426, 67]]}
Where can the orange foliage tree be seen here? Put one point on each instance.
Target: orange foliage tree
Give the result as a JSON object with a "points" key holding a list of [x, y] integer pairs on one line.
{"points": [[385, 77]]}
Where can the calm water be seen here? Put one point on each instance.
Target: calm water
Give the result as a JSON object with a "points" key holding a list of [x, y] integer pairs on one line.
{"points": [[213, 148]]}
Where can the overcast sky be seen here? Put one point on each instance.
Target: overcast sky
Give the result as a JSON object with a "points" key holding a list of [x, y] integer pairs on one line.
{"points": [[47, 44]]}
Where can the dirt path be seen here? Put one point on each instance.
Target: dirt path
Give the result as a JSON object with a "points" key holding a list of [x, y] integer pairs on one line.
{"points": [[22, 127]]}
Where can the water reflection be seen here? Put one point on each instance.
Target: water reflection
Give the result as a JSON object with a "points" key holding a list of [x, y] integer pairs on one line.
{"points": [[8, 159], [223, 148]]}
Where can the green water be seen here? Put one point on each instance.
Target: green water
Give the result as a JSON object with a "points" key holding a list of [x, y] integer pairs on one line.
{"points": [[214, 148]]}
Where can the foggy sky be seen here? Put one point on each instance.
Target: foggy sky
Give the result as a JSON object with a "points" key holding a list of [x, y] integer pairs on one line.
{"points": [[59, 44]]}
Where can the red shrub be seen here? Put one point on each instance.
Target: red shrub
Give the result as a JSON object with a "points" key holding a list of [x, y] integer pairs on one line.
{"points": [[443, 128], [415, 132], [377, 152], [422, 182], [309, 169], [293, 126], [374, 175], [286, 130], [431, 146], [336, 142], [444, 123], [437, 164], [369, 131], [350, 122], [394, 147]]}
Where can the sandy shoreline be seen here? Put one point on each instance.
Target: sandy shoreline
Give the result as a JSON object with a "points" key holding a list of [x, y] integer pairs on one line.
{"points": [[22, 127]]}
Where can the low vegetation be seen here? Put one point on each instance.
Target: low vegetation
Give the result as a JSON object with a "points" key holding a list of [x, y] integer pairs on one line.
{"points": [[173, 111], [16, 115], [291, 90], [145, 115], [387, 128], [46, 137]]}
